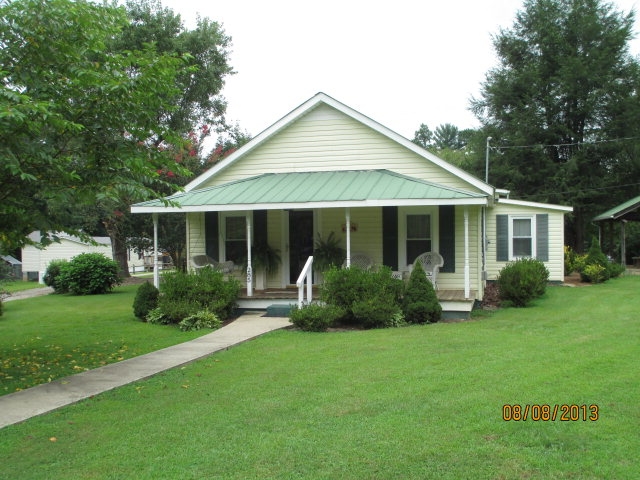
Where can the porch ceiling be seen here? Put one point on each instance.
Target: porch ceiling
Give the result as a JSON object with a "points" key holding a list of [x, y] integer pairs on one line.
{"points": [[354, 188]]}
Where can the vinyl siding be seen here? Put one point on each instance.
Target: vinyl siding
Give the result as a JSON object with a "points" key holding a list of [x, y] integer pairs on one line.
{"points": [[196, 238], [555, 264], [366, 239], [327, 140]]}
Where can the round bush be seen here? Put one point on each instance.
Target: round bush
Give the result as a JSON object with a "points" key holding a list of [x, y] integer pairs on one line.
{"points": [[315, 317], [145, 301], [184, 294], [522, 281], [88, 274], [346, 287], [52, 273], [377, 313]]}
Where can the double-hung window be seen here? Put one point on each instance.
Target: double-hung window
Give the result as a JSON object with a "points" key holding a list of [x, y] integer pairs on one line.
{"points": [[522, 238], [235, 243], [418, 236]]}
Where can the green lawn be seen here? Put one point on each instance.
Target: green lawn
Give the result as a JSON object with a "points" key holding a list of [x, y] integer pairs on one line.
{"points": [[418, 402], [54, 336], [19, 285]]}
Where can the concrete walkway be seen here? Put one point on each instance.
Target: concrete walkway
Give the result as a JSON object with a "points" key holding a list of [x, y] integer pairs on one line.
{"points": [[19, 406], [34, 292]]}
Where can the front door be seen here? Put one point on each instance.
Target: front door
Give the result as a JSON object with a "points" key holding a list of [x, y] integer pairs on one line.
{"points": [[300, 241]]}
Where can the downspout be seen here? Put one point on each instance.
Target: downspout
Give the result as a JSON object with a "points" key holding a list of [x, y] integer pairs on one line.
{"points": [[156, 273], [348, 223]]}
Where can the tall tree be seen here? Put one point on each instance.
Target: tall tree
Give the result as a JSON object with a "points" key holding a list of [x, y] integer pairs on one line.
{"points": [[423, 136], [196, 106], [556, 101], [447, 136], [78, 122]]}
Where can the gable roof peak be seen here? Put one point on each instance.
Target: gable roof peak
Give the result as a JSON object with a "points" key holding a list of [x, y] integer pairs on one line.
{"points": [[312, 103]]}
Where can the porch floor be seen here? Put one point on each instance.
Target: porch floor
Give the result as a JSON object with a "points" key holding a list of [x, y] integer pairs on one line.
{"points": [[291, 293], [454, 304]]}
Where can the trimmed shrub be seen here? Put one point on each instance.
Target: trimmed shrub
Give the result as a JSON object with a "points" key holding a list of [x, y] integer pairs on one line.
{"points": [[315, 317], [616, 269], [420, 303], [88, 274], [522, 281], [570, 260], [596, 257], [52, 273], [200, 320], [595, 273], [183, 294], [374, 313], [346, 287], [145, 301]]}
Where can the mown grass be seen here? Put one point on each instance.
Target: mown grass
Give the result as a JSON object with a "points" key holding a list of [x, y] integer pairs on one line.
{"points": [[418, 402], [19, 286], [54, 336]]}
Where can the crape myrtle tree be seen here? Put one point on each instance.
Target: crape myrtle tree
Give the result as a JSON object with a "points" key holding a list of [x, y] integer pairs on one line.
{"points": [[558, 106], [193, 112], [79, 122], [172, 227]]}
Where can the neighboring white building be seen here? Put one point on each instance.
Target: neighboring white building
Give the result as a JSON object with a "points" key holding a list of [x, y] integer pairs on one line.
{"points": [[36, 260]]}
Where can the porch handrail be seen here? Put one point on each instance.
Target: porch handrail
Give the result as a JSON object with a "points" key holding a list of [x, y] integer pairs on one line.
{"points": [[305, 275]]}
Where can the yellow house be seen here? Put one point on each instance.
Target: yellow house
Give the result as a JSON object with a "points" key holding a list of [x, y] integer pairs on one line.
{"points": [[327, 168]]}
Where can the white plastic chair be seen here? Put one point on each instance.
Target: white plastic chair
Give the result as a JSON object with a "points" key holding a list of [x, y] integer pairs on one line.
{"points": [[431, 263], [359, 260]]}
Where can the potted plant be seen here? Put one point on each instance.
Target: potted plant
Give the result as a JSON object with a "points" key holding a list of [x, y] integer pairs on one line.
{"points": [[264, 261], [327, 253]]}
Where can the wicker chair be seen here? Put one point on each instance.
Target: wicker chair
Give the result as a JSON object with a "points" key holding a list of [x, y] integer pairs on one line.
{"points": [[201, 261], [359, 260], [431, 263]]}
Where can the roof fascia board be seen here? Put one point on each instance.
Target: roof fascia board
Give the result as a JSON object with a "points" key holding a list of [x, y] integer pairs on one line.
{"points": [[546, 206], [481, 201]]}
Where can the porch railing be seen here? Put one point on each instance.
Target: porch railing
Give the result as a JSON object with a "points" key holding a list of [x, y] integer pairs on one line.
{"points": [[305, 275]]}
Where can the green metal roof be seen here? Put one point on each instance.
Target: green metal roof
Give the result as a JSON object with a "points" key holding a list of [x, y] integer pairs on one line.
{"points": [[619, 211], [313, 190]]}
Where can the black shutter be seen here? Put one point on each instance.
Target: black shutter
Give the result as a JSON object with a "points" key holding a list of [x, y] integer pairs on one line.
{"points": [[542, 237], [502, 238], [211, 234], [448, 237], [260, 227], [390, 237]]}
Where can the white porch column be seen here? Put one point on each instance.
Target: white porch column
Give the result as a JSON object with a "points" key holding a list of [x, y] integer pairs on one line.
{"points": [[348, 223], [249, 267], [467, 286], [156, 273], [623, 243]]}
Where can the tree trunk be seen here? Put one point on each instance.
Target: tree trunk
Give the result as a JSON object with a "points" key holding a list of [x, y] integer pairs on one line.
{"points": [[118, 246]]}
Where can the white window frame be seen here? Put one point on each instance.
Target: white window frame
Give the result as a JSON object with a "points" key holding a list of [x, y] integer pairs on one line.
{"points": [[403, 212], [222, 228], [532, 219]]}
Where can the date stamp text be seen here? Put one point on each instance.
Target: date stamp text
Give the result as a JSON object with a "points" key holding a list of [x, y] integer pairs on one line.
{"points": [[550, 413]]}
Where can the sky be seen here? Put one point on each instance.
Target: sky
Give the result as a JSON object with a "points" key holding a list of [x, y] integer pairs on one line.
{"points": [[401, 63]]}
